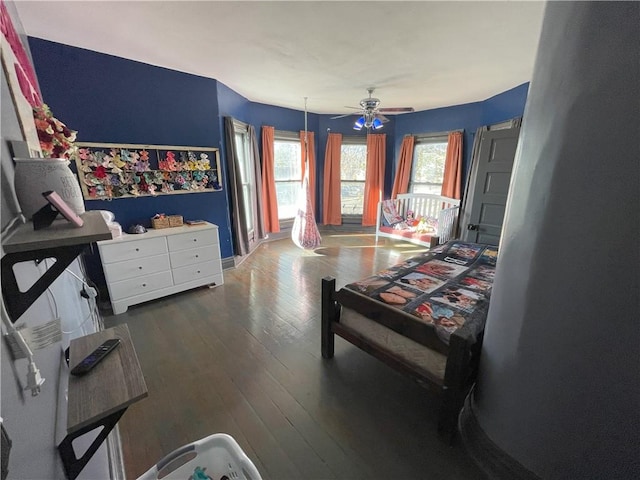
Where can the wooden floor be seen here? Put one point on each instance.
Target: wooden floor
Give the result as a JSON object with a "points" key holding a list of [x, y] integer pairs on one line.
{"points": [[244, 359]]}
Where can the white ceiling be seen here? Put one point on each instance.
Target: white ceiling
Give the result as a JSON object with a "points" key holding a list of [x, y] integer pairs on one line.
{"points": [[420, 54]]}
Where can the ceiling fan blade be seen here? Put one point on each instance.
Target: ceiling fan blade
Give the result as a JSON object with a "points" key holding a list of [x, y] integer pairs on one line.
{"points": [[342, 116], [382, 117], [396, 110], [353, 108]]}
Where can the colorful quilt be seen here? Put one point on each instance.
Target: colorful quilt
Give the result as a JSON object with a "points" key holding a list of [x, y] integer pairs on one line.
{"points": [[449, 286]]}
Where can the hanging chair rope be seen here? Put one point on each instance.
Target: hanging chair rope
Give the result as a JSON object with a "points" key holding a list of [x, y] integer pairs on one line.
{"points": [[305, 232]]}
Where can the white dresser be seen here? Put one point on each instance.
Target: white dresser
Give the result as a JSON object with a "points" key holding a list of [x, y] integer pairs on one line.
{"points": [[151, 265]]}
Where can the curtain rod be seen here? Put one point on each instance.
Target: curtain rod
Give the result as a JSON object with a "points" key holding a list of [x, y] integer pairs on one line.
{"points": [[434, 134]]}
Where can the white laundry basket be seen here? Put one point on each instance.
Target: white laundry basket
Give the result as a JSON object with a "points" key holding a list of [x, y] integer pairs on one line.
{"points": [[216, 457]]}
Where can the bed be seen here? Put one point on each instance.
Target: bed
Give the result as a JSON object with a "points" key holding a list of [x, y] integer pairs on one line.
{"points": [[424, 317], [420, 218]]}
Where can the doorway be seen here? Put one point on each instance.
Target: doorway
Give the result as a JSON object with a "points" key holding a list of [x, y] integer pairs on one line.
{"points": [[489, 186]]}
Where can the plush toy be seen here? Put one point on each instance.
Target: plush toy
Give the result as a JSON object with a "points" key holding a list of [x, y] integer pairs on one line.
{"points": [[409, 219], [199, 474]]}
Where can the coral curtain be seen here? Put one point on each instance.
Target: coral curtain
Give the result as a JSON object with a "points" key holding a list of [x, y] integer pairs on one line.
{"points": [[374, 177], [239, 229], [269, 198], [331, 211], [403, 171], [452, 181], [312, 163]]}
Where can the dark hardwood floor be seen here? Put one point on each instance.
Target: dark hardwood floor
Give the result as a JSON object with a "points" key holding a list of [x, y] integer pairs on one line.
{"points": [[244, 359]]}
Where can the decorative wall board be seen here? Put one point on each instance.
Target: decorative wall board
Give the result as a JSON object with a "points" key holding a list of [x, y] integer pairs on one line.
{"points": [[110, 170], [21, 78]]}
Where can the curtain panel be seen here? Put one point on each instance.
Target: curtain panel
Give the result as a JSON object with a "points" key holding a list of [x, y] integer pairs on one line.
{"points": [[403, 170], [465, 208], [237, 210], [452, 181], [312, 163], [331, 211], [253, 140], [269, 197], [374, 177]]}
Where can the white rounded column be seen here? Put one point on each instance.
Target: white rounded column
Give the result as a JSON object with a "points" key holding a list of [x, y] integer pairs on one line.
{"points": [[559, 383]]}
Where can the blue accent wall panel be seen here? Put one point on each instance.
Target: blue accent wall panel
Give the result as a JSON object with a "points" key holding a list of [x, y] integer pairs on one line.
{"points": [[506, 105], [232, 104], [113, 100]]}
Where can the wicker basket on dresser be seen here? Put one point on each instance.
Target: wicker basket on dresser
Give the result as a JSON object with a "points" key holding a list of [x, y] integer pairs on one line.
{"points": [[143, 267]]}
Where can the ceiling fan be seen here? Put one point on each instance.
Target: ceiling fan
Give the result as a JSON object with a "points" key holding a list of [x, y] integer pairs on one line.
{"points": [[370, 115]]}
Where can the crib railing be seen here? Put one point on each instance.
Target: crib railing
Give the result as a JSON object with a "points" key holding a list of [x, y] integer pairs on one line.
{"points": [[425, 205]]}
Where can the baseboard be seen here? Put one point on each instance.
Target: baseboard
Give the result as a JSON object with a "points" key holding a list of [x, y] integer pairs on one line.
{"points": [[229, 262], [495, 463]]}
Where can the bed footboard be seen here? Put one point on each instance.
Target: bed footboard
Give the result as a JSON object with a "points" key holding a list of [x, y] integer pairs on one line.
{"points": [[461, 372], [330, 313], [461, 358]]}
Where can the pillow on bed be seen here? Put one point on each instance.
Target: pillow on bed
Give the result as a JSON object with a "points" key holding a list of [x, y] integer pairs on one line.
{"points": [[390, 215]]}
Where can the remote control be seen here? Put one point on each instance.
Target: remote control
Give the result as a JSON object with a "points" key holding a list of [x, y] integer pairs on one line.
{"points": [[95, 357]]}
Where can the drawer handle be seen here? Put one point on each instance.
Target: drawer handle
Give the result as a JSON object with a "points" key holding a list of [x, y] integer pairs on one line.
{"points": [[144, 284], [195, 239], [139, 268], [198, 271], [197, 256], [137, 249]]}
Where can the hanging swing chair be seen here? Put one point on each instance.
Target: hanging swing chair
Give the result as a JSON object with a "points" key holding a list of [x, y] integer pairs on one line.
{"points": [[305, 232]]}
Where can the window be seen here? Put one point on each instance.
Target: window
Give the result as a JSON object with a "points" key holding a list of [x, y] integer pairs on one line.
{"points": [[427, 170], [246, 163], [288, 172], [353, 168]]}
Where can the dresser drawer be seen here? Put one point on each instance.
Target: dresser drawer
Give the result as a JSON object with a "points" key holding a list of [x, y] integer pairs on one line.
{"points": [[117, 252], [198, 238], [139, 285], [118, 271], [194, 255], [192, 273]]}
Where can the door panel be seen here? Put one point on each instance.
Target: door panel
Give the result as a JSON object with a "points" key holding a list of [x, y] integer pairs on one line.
{"points": [[492, 215], [497, 183], [491, 186]]}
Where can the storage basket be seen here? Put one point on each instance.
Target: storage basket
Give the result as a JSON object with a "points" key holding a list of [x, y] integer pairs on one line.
{"points": [[160, 222], [215, 457], [175, 220]]}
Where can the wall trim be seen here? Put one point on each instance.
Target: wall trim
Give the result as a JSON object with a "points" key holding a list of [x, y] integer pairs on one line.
{"points": [[494, 461], [229, 262]]}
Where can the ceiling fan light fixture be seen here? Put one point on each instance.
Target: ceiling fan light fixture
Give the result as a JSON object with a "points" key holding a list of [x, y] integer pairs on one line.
{"points": [[359, 123], [377, 123]]}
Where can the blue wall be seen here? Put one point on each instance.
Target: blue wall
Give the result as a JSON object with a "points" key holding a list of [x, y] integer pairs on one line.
{"points": [[504, 106], [114, 100], [467, 117]]}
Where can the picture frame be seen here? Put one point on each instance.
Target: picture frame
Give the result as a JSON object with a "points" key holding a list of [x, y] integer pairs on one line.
{"points": [[63, 208]]}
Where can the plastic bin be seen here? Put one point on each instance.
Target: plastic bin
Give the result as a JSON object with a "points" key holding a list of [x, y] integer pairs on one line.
{"points": [[216, 457]]}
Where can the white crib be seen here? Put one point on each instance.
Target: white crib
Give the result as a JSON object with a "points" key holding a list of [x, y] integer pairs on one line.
{"points": [[442, 213]]}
